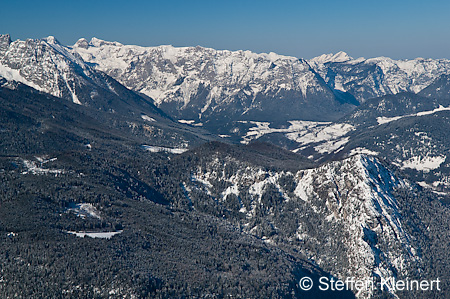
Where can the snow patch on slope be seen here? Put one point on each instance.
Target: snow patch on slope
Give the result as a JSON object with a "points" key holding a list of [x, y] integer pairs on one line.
{"points": [[383, 120], [37, 167], [424, 164], [14, 75], [331, 146], [190, 122], [364, 151], [95, 235], [147, 118], [157, 149], [304, 133], [84, 210], [322, 133]]}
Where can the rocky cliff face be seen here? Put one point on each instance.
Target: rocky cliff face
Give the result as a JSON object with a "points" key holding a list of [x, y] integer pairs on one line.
{"points": [[342, 214]]}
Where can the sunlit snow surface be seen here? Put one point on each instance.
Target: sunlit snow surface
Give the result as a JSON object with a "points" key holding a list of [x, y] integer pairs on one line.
{"points": [[157, 149], [362, 150], [424, 163], [190, 122], [303, 132], [14, 75], [148, 118], [37, 167], [99, 235], [383, 120], [84, 210]]}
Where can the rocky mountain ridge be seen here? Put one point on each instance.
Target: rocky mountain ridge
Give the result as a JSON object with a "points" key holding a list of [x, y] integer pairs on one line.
{"points": [[379, 76], [350, 199], [203, 84]]}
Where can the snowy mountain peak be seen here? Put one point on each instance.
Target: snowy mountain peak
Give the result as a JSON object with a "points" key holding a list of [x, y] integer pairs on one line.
{"points": [[96, 42], [5, 36], [52, 40], [338, 57], [82, 43], [50, 67], [5, 41]]}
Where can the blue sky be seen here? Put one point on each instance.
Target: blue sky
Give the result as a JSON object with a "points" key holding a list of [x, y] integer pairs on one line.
{"points": [[397, 29]]}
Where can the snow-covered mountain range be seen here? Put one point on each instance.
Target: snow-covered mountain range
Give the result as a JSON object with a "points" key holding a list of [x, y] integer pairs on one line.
{"points": [[375, 77], [238, 94], [196, 83], [51, 68], [202, 84], [243, 95], [180, 75], [228, 92]]}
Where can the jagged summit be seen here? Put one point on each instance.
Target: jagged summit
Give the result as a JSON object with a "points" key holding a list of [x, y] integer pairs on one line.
{"points": [[82, 43], [5, 41], [46, 65], [338, 57], [52, 40], [94, 42]]}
